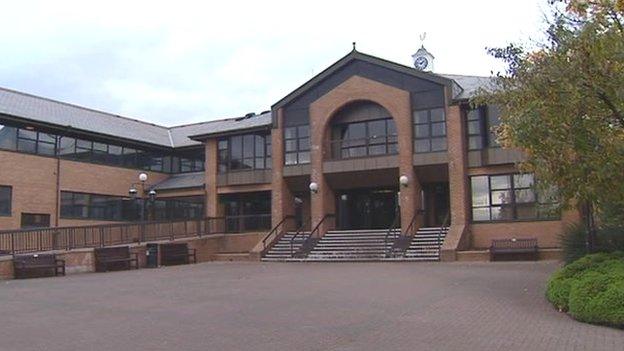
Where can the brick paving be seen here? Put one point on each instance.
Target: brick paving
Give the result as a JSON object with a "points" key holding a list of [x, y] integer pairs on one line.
{"points": [[277, 306]]}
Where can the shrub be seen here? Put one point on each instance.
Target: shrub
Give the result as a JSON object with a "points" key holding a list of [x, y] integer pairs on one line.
{"points": [[573, 241], [591, 288]]}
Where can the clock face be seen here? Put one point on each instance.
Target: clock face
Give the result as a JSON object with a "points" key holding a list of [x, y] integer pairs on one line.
{"points": [[421, 62]]}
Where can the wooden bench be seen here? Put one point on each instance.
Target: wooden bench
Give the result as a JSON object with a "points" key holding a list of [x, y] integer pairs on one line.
{"points": [[178, 253], [513, 249], [37, 265], [115, 258]]}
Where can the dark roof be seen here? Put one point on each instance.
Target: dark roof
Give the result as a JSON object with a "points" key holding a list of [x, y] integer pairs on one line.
{"points": [[356, 55], [55, 113], [43, 110], [182, 181]]}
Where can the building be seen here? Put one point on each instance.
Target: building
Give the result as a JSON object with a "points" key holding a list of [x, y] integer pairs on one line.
{"points": [[367, 144]]}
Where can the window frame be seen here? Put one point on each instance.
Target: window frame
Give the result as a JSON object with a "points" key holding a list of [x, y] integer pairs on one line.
{"points": [[430, 135], [10, 201], [263, 153], [300, 149], [513, 203], [390, 141]]}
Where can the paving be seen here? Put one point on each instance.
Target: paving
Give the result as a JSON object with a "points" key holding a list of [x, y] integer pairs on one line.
{"points": [[296, 306]]}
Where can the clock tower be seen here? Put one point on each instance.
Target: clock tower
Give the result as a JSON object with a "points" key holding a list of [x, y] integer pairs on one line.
{"points": [[423, 60]]}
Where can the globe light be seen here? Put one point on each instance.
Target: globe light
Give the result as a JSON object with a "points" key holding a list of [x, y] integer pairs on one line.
{"points": [[143, 177], [403, 180], [314, 187]]}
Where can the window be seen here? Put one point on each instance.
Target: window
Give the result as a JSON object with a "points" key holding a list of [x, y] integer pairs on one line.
{"points": [[510, 197], [189, 207], [5, 200], [35, 220], [247, 211], [244, 152], [429, 130], [99, 207], [481, 122], [8, 137], [297, 145], [369, 138]]}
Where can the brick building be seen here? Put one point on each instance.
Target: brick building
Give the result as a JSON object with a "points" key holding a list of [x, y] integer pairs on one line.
{"points": [[365, 146]]}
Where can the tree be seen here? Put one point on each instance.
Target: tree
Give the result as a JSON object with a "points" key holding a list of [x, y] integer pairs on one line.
{"points": [[563, 105]]}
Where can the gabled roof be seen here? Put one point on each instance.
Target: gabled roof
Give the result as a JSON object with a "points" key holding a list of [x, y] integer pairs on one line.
{"points": [[182, 181], [356, 55], [224, 126]]}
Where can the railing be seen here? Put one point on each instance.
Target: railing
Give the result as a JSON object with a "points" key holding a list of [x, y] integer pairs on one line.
{"points": [[395, 222], [307, 243], [275, 232], [246, 223], [442, 228], [300, 231], [67, 238], [363, 147]]}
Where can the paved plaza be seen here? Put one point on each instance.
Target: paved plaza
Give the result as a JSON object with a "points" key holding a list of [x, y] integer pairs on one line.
{"points": [[277, 306]]}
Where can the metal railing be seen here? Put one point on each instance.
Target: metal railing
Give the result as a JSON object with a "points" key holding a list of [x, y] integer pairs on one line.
{"points": [[309, 240], [445, 223], [275, 233], [299, 231], [391, 230], [67, 238]]}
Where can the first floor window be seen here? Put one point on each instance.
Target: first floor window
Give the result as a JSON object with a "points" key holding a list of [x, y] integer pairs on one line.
{"points": [[509, 197], [297, 145], [429, 130], [5, 200]]}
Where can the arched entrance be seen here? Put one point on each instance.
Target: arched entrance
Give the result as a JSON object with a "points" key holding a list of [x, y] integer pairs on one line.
{"points": [[363, 130]]}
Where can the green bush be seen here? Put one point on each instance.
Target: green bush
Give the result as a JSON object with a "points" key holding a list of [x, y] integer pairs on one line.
{"points": [[573, 241], [591, 288]]}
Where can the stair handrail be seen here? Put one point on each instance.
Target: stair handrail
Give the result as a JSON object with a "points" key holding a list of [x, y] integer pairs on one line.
{"points": [[274, 232], [315, 230], [391, 229], [298, 232], [441, 230]]}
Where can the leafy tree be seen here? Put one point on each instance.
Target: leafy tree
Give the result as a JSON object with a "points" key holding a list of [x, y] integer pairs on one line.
{"points": [[562, 103]]}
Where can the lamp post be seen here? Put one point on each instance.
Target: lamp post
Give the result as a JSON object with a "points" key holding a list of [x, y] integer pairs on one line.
{"points": [[134, 194]]}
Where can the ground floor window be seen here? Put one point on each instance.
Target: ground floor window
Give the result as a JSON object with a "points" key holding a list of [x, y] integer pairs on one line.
{"points": [[35, 220], [117, 208], [5, 200], [508, 197], [247, 211]]}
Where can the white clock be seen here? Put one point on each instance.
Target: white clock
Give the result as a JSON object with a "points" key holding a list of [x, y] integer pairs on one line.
{"points": [[421, 63]]}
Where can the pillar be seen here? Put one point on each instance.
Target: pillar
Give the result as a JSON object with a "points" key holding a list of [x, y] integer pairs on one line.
{"points": [[282, 199]]}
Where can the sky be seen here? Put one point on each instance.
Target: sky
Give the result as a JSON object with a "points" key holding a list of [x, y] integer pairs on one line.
{"points": [[179, 62]]}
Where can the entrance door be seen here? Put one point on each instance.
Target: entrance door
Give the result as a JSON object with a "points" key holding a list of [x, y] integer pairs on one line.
{"points": [[367, 208], [437, 204]]}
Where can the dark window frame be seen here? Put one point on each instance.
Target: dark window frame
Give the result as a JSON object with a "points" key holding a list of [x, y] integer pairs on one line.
{"points": [[301, 148], [264, 153], [430, 137], [390, 141], [513, 204], [9, 201]]}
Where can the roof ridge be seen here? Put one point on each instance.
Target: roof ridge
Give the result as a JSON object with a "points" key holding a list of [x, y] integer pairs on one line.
{"points": [[80, 107], [217, 120]]}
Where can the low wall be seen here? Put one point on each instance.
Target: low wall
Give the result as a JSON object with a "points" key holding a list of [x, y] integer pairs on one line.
{"points": [[208, 248]]}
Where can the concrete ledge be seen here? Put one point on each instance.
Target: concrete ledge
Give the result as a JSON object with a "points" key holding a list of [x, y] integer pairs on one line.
{"points": [[233, 256]]}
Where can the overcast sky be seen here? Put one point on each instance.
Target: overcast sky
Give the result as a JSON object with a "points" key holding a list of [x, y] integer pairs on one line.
{"points": [[181, 62]]}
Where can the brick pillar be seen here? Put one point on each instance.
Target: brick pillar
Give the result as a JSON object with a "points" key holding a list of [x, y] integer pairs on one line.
{"points": [[457, 237], [212, 202], [282, 199], [410, 194], [324, 201]]}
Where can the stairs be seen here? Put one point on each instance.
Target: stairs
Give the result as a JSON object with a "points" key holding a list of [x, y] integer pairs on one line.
{"points": [[353, 245], [425, 245], [281, 250], [360, 246]]}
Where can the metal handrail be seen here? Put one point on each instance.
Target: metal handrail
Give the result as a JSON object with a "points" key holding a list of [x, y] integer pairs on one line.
{"points": [[391, 229], [315, 230], [297, 233], [274, 230], [442, 228]]}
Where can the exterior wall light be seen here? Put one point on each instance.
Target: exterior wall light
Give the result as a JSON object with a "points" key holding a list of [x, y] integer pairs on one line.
{"points": [[403, 180], [314, 187]]}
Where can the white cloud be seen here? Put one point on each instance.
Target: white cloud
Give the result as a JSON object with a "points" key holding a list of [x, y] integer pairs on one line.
{"points": [[185, 61]]}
